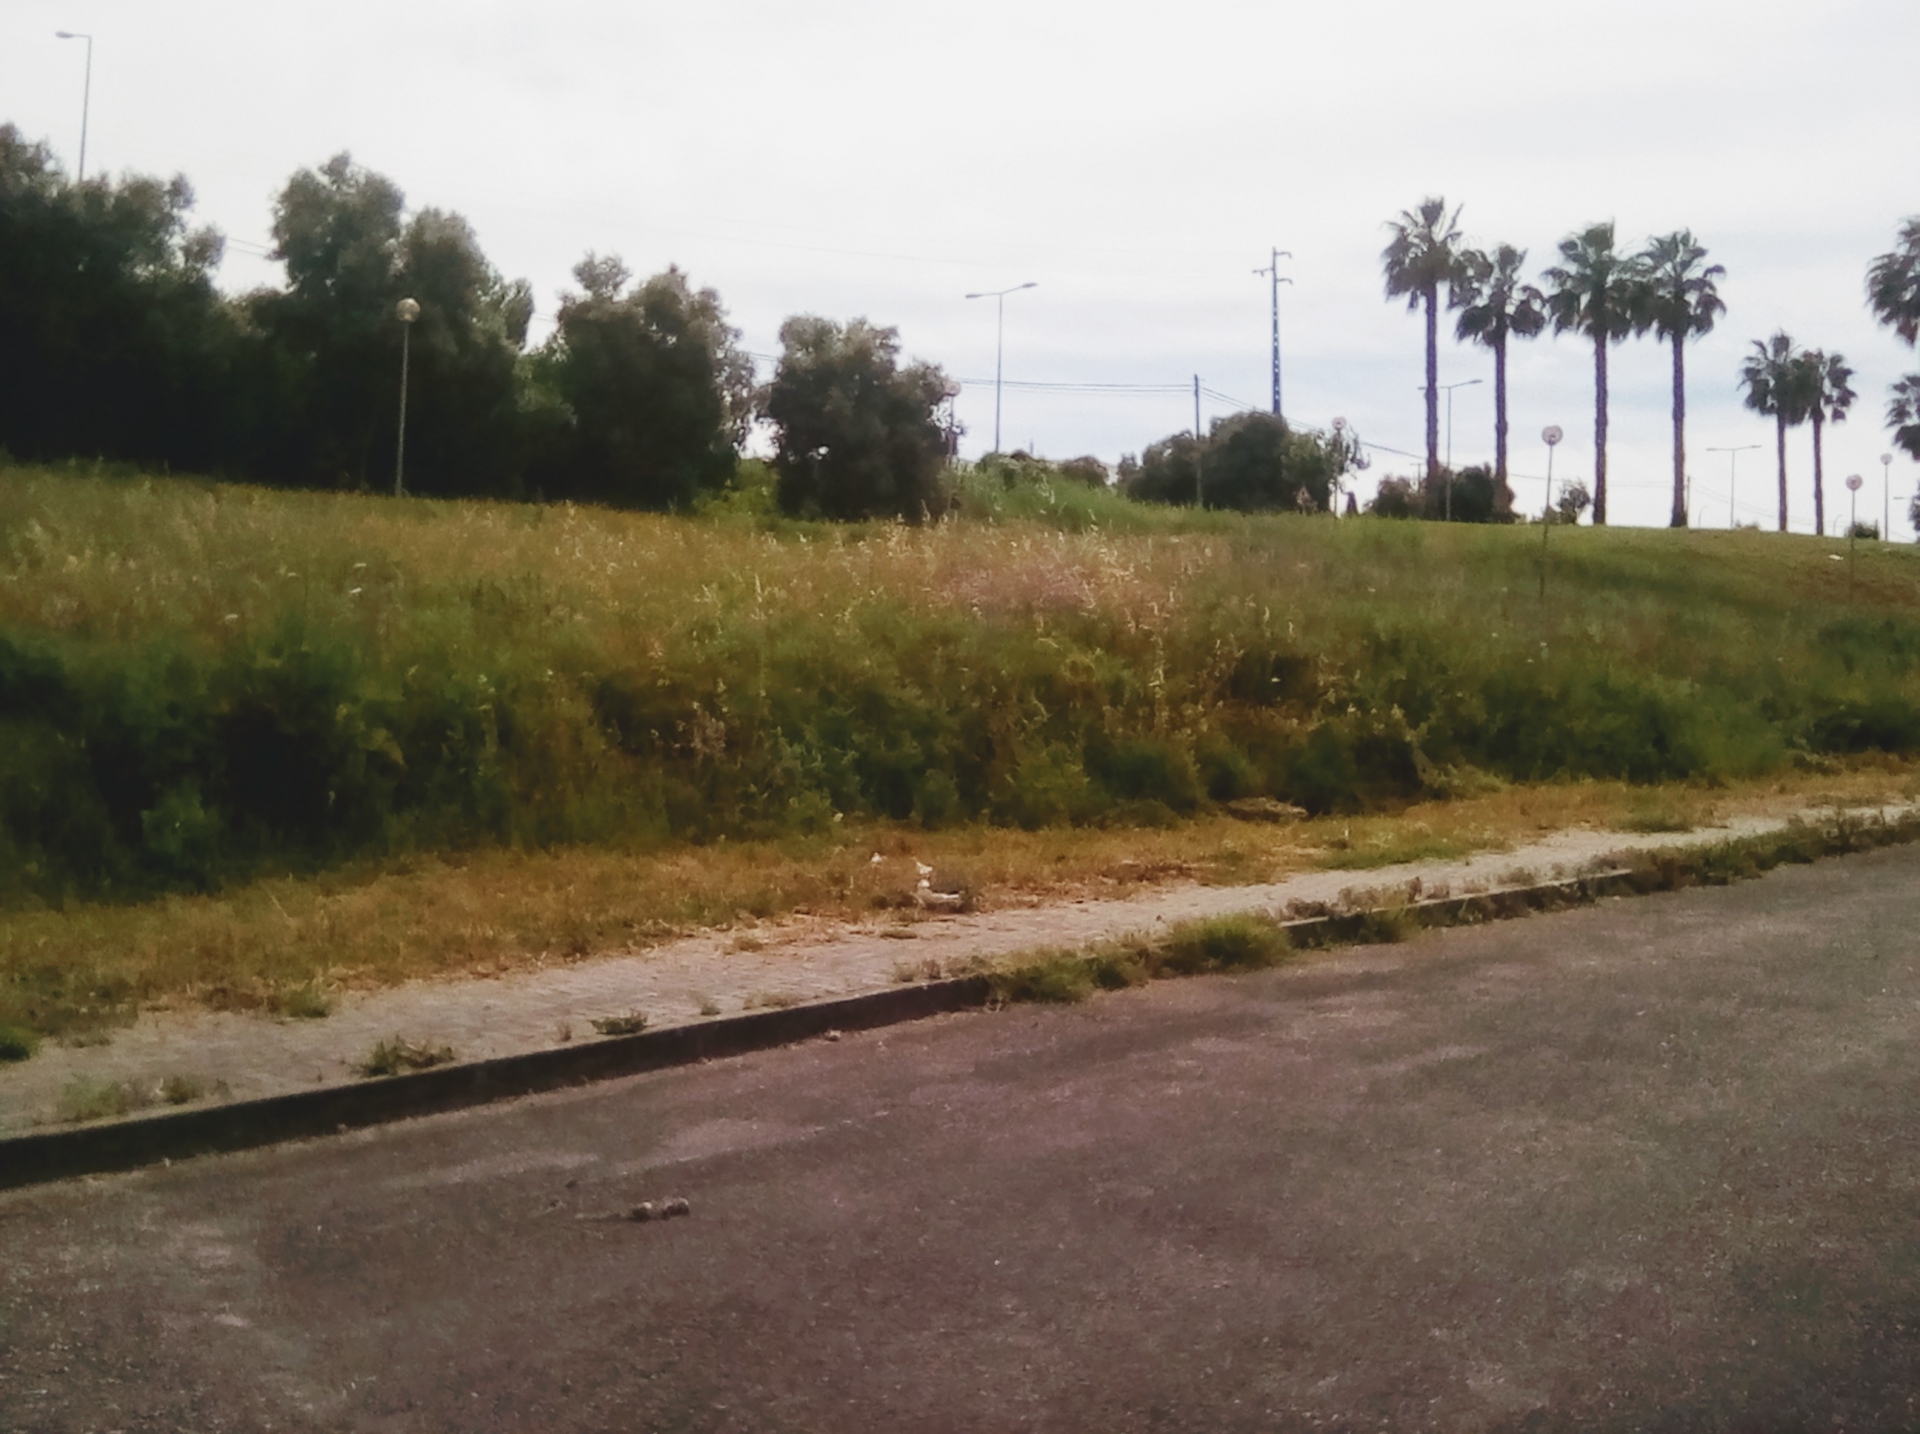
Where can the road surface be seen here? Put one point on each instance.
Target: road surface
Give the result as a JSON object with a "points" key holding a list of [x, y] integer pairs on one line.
{"points": [[1654, 1165]]}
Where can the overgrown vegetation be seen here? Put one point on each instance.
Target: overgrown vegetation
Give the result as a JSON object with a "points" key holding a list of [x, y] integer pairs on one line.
{"points": [[200, 684], [1243, 942]]}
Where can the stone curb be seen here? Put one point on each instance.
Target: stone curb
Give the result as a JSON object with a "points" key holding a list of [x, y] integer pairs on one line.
{"points": [[138, 1141], [242, 1125]]}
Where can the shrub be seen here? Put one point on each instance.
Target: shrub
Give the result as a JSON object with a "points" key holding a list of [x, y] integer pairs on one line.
{"points": [[1473, 495], [856, 435]]}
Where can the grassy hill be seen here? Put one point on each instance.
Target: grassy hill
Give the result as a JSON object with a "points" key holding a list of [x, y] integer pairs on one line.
{"points": [[204, 683]]}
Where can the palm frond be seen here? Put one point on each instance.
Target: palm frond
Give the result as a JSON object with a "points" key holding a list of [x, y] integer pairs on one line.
{"points": [[1893, 284], [1903, 414], [1421, 254]]}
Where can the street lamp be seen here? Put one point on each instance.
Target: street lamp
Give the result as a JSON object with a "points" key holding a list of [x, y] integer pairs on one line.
{"points": [[1733, 465], [1447, 389], [1886, 497], [1853, 529], [1551, 436], [999, 296], [86, 96], [406, 311]]}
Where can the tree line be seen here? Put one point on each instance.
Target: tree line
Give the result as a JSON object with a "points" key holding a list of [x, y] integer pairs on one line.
{"points": [[115, 344], [1605, 294]]}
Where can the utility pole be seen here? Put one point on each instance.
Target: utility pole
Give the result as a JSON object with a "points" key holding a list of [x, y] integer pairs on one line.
{"points": [[1199, 499], [1272, 271]]}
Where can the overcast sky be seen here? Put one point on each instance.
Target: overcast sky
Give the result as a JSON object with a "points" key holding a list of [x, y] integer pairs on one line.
{"points": [[859, 158]]}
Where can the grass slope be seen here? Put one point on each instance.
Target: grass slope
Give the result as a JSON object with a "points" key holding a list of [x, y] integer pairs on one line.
{"points": [[201, 683]]}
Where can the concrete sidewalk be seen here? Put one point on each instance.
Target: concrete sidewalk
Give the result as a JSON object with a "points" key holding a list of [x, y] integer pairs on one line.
{"points": [[249, 1056]]}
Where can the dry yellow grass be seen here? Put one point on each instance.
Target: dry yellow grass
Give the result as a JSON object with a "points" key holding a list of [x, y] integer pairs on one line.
{"points": [[498, 912]]}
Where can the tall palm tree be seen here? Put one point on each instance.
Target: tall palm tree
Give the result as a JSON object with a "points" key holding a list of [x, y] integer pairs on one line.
{"points": [[1775, 377], [1495, 306], [1893, 284], [1591, 292], [1903, 414], [1417, 261], [1826, 389], [1677, 299]]}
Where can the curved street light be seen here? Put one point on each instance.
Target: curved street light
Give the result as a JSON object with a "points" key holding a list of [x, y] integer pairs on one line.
{"points": [[999, 296], [1447, 389]]}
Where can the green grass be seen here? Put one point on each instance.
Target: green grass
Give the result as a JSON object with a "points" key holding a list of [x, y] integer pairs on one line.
{"points": [[85, 1098], [396, 1057], [1241, 942], [206, 688]]}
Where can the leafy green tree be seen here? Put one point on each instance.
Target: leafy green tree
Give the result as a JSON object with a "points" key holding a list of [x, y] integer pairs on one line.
{"points": [[857, 435], [1775, 377], [1893, 283], [1678, 299], [656, 391], [1419, 258], [113, 340], [1496, 306], [1903, 415], [464, 401], [350, 256], [1574, 500], [1478, 496], [1591, 291], [1251, 462], [1826, 389], [1254, 462], [1167, 472]]}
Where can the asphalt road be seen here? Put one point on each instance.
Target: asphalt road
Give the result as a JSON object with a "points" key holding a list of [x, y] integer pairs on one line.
{"points": [[1647, 1166]]}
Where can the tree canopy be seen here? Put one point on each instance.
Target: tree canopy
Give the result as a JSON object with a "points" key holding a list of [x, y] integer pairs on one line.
{"points": [[655, 393], [857, 435]]}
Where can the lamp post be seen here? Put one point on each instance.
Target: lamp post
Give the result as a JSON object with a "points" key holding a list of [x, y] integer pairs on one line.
{"points": [[86, 96], [1551, 436], [406, 311], [1853, 529], [1272, 271], [999, 296], [1447, 389], [1733, 465], [1886, 497]]}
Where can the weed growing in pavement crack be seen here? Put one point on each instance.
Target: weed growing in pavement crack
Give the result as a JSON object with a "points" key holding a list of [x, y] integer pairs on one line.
{"points": [[630, 1024], [391, 1057]]}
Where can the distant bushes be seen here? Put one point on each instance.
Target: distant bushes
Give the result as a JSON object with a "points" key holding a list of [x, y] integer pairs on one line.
{"points": [[1473, 495], [1250, 462]]}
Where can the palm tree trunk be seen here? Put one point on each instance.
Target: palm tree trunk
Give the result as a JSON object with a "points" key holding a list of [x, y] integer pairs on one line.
{"points": [[1679, 519], [1433, 383], [1600, 430], [1780, 444], [1500, 413], [1819, 479]]}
